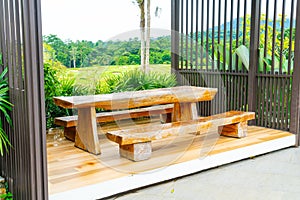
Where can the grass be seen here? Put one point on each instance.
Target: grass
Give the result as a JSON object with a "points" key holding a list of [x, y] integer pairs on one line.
{"points": [[115, 69], [90, 75]]}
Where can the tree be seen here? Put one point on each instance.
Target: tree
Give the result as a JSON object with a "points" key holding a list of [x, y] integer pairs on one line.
{"points": [[145, 42], [73, 55], [147, 56], [61, 48]]}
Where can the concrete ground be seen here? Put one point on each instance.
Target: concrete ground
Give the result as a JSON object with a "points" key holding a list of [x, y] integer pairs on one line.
{"points": [[271, 176]]}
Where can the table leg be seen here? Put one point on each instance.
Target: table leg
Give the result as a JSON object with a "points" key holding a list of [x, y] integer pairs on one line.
{"points": [[86, 134], [184, 112]]}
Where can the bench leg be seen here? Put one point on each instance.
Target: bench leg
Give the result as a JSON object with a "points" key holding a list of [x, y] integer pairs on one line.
{"points": [[238, 130], [70, 132], [136, 152]]}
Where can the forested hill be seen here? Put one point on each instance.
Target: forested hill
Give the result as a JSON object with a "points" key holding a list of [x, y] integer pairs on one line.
{"points": [[86, 53]]}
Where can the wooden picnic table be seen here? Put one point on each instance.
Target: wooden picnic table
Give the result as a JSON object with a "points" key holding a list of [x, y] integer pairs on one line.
{"points": [[184, 99]]}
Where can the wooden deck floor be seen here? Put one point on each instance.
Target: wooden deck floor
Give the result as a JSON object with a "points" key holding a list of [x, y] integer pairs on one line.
{"points": [[71, 168]]}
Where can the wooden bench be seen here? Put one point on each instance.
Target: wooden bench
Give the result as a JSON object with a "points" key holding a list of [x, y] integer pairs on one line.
{"points": [[135, 144], [70, 122]]}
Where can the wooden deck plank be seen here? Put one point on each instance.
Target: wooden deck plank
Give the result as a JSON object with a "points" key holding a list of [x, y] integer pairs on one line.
{"points": [[71, 168]]}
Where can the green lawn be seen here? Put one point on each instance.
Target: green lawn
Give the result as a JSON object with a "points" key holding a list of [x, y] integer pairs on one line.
{"points": [[90, 76], [102, 71]]}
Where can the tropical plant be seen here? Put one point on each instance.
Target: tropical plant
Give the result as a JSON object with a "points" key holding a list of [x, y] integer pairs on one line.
{"points": [[54, 87], [5, 108], [242, 52], [135, 80], [264, 63], [8, 195]]}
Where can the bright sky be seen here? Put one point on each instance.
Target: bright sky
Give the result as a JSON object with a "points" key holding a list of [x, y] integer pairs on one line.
{"points": [[100, 19]]}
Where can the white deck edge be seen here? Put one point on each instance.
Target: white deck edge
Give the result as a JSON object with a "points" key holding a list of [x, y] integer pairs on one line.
{"points": [[119, 185]]}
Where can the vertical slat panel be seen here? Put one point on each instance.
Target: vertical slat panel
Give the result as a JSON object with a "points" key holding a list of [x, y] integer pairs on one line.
{"points": [[175, 37], [207, 34], [186, 34], [230, 34], [266, 35], [213, 34], [267, 92], [197, 35], [282, 36], [219, 33], [8, 64], [224, 35], [262, 100], [275, 98], [237, 33], [274, 36], [192, 35], [245, 22], [181, 32], [283, 103], [202, 38], [21, 45], [292, 8]]}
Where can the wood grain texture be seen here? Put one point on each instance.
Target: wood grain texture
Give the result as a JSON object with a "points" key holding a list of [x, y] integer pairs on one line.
{"points": [[139, 98], [230, 117], [86, 135], [202, 125], [238, 130], [70, 132], [146, 134], [70, 168], [71, 121], [184, 112], [136, 152]]}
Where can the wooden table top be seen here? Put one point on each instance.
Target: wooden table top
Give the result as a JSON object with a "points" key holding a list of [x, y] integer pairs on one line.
{"points": [[142, 98]]}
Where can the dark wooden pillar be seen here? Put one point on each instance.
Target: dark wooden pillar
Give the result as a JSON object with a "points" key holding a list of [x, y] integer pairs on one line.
{"points": [[295, 104], [175, 37], [253, 65]]}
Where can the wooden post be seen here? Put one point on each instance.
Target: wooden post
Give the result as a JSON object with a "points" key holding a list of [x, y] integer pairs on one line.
{"points": [[253, 65], [175, 35], [295, 103], [86, 135]]}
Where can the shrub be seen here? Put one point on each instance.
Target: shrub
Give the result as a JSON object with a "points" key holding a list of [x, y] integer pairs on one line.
{"points": [[59, 83], [55, 87], [135, 80]]}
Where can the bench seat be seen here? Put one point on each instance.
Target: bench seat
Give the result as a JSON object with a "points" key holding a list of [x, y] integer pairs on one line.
{"points": [[135, 143], [70, 122]]}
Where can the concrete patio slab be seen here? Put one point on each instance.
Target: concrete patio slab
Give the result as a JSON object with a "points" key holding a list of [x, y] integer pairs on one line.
{"points": [[274, 175]]}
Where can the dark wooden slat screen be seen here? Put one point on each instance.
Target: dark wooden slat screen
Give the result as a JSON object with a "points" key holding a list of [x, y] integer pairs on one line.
{"points": [[25, 167], [221, 27]]}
